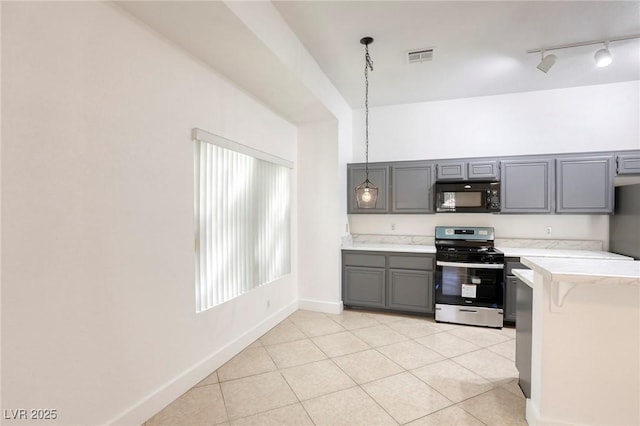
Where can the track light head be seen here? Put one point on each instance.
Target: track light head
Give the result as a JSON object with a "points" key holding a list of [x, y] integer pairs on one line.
{"points": [[603, 56], [546, 63]]}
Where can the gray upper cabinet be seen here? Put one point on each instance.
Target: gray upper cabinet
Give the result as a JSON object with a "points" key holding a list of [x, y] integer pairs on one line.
{"points": [[526, 185], [580, 183], [584, 184], [378, 176], [480, 169], [451, 171], [486, 170], [628, 163], [411, 188]]}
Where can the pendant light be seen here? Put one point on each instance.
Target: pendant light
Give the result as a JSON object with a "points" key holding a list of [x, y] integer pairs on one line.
{"points": [[366, 192]]}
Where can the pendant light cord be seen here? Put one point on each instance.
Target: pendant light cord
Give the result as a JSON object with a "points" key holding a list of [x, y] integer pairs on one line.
{"points": [[368, 65]]}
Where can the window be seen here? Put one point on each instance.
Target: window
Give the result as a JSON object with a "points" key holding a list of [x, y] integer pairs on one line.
{"points": [[242, 218]]}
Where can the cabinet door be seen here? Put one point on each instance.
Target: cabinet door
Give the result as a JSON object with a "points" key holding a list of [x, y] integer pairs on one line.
{"points": [[628, 164], [378, 176], [526, 186], [524, 315], [584, 184], [410, 290], [487, 170], [411, 189], [364, 286], [510, 299], [451, 171]]}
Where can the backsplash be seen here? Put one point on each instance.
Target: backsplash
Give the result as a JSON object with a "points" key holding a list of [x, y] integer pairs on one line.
{"points": [[393, 239], [504, 242], [516, 230], [550, 244]]}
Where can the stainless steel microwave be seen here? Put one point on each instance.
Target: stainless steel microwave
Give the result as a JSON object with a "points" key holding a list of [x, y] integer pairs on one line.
{"points": [[468, 197]]}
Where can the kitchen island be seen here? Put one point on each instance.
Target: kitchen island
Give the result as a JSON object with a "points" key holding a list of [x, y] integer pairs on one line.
{"points": [[585, 343]]}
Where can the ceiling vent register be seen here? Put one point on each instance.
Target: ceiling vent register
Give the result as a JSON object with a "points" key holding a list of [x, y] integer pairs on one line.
{"points": [[418, 56]]}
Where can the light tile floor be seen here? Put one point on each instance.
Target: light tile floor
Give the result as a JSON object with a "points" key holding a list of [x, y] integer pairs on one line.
{"points": [[360, 368]]}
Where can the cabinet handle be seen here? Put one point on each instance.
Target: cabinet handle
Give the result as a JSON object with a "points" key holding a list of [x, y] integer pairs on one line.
{"points": [[471, 265]]}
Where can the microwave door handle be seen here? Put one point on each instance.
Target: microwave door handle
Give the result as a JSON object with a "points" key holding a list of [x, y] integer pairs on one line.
{"points": [[471, 265]]}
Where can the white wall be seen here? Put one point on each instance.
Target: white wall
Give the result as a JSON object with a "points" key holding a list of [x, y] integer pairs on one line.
{"points": [[324, 151], [98, 309], [265, 21], [589, 118], [318, 218]]}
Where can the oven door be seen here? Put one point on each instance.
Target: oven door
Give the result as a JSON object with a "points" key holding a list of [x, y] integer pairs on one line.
{"points": [[469, 284]]}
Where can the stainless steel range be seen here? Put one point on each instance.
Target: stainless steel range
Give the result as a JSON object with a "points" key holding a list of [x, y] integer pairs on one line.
{"points": [[469, 277]]}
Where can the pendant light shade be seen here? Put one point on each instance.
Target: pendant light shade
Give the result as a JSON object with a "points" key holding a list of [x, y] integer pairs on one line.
{"points": [[366, 193]]}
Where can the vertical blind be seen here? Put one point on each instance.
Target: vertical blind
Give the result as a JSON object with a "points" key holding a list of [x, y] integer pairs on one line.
{"points": [[242, 219]]}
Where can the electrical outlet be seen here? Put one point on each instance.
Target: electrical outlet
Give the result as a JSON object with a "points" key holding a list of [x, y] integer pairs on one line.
{"points": [[393, 226], [268, 303], [548, 230]]}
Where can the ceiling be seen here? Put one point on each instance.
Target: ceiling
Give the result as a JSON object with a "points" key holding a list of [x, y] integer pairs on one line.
{"points": [[479, 47]]}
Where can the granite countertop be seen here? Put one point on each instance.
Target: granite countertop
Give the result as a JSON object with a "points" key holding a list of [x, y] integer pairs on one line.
{"points": [[585, 269], [525, 275], [538, 252], [406, 248], [508, 251]]}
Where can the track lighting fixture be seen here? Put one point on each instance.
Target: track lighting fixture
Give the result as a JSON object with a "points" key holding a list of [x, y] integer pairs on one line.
{"points": [[546, 62], [603, 56]]}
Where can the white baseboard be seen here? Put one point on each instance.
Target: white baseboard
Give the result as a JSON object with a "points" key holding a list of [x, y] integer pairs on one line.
{"points": [[533, 417], [320, 306], [161, 397]]}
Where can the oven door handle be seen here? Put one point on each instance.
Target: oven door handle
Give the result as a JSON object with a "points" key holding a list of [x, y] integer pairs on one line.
{"points": [[471, 265]]}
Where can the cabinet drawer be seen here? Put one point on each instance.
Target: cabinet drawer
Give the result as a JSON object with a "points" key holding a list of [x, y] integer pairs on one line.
{"points": [[411, 262], [359, 259], [514, 265]]}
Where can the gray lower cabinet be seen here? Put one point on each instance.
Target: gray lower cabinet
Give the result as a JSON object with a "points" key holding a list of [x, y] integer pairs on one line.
{"points": [[364, 286], [410, 290], [510, 286], [378, 176], [524, 327], [526, 185], [584, 184], [628, 164], [510, 282], [411, 188], [393, 281]]}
